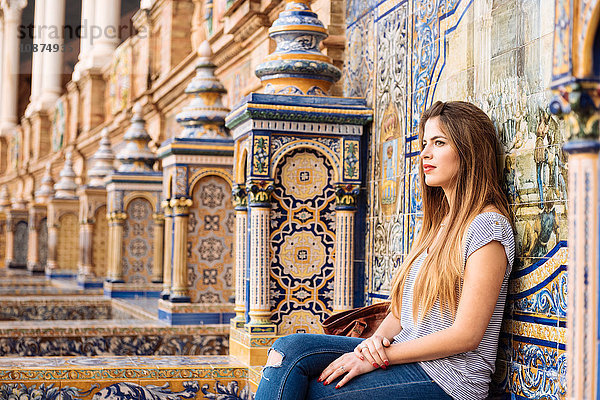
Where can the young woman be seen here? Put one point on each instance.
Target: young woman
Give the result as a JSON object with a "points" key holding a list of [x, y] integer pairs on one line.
{"points": [[447, 299]]}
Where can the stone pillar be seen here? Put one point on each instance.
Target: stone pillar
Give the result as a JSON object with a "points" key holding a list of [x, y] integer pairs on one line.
{"points": [[583, 149], [37, 68], [240, 202], [343, 282], [107, 15], [179, 287], [115, 222], [159, 229], [12, 10], [51, 87], [1, 60], [168, 251], [259, 310], [88, 8]]}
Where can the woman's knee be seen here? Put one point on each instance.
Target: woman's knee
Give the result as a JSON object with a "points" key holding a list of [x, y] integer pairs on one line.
{"points": [[287, 345]]}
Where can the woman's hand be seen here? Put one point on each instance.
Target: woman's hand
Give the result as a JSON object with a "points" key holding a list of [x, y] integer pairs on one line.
{"points": [[347, 364], [373, 349]]}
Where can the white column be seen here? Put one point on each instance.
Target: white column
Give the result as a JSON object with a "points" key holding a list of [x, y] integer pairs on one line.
{"points": [[260, 310], [1, 56], [344, 260], [88, 9], [37, 68], [240, 202], [343, 281], [259, 307], [13, 10], [105, 31], [54, 20]]}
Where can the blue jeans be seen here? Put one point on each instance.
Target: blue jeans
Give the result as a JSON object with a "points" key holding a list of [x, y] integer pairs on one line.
{"points": [[305, 356]]}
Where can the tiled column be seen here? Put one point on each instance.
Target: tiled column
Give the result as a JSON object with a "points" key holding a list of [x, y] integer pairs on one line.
{"points": [[159, 229], [583, 147], [115, 223], [179, 287], [240, 202], [168, 251], [12, 10], [259, 196], [343, 282]]}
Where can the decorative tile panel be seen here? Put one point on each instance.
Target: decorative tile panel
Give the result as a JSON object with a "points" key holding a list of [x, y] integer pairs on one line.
{"points": [[138, 242], [210, 242], [358, 71], [21, 239], [100, 242], [302, 242], [68, 242]]}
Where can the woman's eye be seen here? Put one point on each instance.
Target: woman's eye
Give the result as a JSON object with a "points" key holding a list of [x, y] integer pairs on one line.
{"points": [[439, 143]]}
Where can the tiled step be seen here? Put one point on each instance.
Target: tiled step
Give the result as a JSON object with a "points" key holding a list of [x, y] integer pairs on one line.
{"points": [[103, 378]]}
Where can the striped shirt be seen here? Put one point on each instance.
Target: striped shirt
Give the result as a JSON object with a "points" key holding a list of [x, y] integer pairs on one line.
{"points": [[465, 375]]}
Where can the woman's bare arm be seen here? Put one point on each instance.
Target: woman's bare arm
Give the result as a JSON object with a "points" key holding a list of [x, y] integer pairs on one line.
{"points": [[484, 273]]}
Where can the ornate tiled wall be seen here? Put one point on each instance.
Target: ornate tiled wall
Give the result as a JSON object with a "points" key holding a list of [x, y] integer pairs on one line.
{"points": [[210, 242], [302, 242], [497, 55], [137, 242]]}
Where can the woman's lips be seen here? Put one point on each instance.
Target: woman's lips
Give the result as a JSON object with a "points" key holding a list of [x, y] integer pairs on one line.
{"points": [[428, 168]]}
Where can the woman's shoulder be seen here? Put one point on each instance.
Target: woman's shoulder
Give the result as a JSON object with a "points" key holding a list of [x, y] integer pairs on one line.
{"points": [[490, 215], [490, 224]]}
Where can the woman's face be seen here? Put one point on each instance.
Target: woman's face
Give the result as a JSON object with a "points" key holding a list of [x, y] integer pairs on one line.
{"points": [[440, 159]]}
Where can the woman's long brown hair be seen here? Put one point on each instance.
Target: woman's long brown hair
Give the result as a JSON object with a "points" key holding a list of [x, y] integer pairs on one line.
{"points": [[478, 185]]}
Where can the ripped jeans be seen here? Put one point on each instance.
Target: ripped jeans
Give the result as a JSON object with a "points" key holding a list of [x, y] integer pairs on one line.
{"points": [[305, 356]]}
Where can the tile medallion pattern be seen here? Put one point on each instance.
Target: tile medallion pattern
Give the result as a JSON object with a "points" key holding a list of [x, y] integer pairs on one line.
{"points": [[210, 242], [302, 242], [68, 242], [138, 234]]}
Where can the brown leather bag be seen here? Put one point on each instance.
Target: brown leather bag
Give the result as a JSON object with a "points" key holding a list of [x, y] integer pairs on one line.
{"points": [[359, 322]]}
